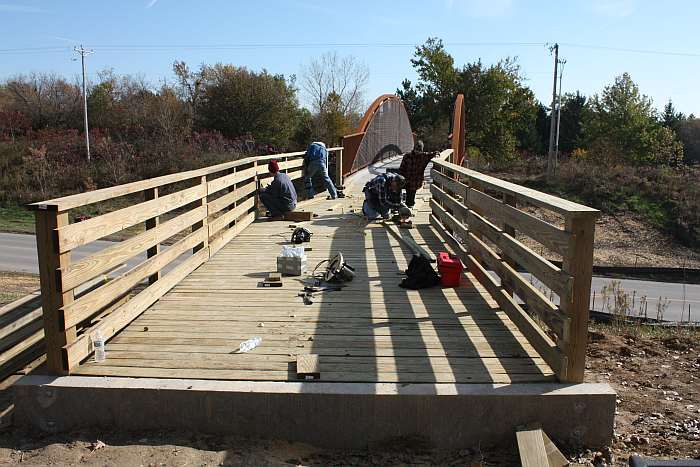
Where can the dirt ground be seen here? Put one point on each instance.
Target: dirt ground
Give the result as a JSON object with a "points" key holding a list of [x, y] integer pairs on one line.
{"points": [[14, 285], [655, 374], [625, 241]]}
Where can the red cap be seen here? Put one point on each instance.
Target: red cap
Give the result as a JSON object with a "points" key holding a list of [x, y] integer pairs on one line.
{"points": [[273, 167]]}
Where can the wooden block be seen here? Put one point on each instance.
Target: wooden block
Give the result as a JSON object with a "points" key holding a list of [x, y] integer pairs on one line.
{"points": [[298, 216], [308, 367], [274, 277], [531, 447], [556, 458]]}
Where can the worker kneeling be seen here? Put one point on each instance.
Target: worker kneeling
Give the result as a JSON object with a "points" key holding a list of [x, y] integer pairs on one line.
{"points": [[280, 196], [382, 195]]}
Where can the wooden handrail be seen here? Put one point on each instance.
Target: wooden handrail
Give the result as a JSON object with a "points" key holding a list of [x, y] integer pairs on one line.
{"points": [[66, 203], [481, 216], [202, 210]]}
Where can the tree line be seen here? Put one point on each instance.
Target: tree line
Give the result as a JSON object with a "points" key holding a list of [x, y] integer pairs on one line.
{"points": [[505, 122]]}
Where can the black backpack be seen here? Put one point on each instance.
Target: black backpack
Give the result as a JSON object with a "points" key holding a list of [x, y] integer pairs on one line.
{"points": [[420, 274]]}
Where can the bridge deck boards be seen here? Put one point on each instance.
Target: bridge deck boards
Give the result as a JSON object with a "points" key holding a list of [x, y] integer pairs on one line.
{"points": [[371, 331]]}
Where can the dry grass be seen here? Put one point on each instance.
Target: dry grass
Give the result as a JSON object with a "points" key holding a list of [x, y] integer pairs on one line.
{"points": [[14, 285]]}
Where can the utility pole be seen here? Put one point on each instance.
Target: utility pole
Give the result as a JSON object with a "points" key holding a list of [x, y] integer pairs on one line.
{"points": [[550, 157], [556, 143], [83, 52]]}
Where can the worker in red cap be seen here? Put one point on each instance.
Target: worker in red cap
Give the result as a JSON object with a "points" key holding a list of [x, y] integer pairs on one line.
{"points": [[280, 196]]}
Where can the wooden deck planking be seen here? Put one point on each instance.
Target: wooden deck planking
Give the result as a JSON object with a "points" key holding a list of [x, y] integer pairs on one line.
{"points": [[371, 331]]}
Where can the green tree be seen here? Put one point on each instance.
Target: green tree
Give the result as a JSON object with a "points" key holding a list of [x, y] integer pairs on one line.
{"points": [[571, 124], [689, 134], [621, 126], [239, 102], [670, 118]]}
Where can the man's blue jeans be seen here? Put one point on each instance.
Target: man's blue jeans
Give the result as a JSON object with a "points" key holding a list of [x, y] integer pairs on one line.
{"points": [[318, 167], [370, 212]]}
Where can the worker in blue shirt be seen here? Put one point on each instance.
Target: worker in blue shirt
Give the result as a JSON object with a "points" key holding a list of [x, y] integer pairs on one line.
{"points": [[316, 162]]}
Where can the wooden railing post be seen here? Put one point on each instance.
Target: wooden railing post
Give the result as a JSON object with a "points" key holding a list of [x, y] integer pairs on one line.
{"points": [[579, 264], [510, 230], [152, 223], [204, 222], [51, 262], [339, 167]]}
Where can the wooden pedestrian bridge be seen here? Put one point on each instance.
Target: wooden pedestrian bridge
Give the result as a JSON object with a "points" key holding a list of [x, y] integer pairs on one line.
{"points": [[510, 340]]}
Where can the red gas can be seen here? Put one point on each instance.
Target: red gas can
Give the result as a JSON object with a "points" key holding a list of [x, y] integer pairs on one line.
{"points": [[450, 268]]}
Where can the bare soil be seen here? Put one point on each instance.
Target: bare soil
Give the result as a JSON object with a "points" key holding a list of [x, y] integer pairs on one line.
{"points": [[625, 241], [656, 374]]}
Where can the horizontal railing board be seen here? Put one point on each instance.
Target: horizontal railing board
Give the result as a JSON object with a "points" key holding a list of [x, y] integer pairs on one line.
{"points": [[80, 233], [87, 305], [229, 180], [220, 222], [218, 241], [542, 232], [552, 276], [113, 256], [447, 183], [545, 347], [521, 193], [75, 352], [228, 199], [536, 301], [81, 199]]}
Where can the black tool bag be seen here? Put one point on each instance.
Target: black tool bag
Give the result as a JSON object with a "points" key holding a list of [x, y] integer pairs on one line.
{"points": [[420, 274]]}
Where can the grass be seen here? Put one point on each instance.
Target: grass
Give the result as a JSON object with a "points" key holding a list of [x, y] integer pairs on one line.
{"points": [[15, 285], [16, 219]]}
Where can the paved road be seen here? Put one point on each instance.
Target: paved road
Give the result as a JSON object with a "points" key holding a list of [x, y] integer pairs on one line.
{"points": [[18, 253]]}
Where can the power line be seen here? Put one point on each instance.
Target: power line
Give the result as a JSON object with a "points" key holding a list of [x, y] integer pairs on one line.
{"points": [[626, 50]]}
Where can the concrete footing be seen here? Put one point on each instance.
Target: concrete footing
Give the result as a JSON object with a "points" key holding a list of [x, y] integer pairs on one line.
{"points": [[346, 415]]}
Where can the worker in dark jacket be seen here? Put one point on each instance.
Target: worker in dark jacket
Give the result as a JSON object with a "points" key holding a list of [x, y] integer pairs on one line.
{"points": [[382, 195], [412, 168], [280, 196]]}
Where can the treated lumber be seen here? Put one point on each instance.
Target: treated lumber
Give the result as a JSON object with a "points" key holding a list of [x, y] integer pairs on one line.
{"points": [[251, 375], [220, 240], [298, 216], [555, 457], [226, 181], [124, 314], [113, 256], [447, 183], [308, 367], [152, 223], [537, 302], [52, 298], [521, 193], [230, 198], [222, 221], [74, 235], [406, 238], [579, 263], [89, 304], [531, 448], [69, 202]]}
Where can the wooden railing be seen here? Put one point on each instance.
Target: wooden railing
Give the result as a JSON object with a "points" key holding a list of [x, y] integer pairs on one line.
{"points": [[199, 210], [482, 216]]}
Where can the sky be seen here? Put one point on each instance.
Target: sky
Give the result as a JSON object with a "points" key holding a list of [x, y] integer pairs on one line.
{"points": [[656, 42]]}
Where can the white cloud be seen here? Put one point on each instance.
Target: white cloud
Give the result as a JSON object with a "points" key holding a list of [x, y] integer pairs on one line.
{"points": [[481, 8], [151, 3], [614, 8], [20, 8]]}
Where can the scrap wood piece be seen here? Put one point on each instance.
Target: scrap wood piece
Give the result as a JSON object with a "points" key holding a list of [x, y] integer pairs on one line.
{"points": [[408, 241], [274, 277], [308, 366], [298, 216], [531, 448], [555, 457], [537, 449]]}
